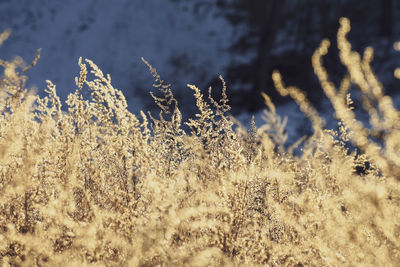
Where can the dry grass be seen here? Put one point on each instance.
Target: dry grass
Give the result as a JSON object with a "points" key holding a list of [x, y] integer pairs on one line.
{"points": [[99, 186]]}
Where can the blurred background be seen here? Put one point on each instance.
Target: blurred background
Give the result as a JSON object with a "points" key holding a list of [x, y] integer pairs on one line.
{"points": [[193, 41]]}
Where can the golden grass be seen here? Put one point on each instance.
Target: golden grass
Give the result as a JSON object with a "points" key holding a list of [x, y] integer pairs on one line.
{"points": [[99, 186]]}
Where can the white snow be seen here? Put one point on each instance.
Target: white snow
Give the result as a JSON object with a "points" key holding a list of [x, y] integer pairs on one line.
{"points": [[115, 35]]}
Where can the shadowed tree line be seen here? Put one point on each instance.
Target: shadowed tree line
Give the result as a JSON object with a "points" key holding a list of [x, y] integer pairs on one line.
{"points": [[283, 35]]}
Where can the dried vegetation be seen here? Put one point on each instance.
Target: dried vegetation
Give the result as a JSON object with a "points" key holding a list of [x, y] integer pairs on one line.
{"points": [[98, 185]]}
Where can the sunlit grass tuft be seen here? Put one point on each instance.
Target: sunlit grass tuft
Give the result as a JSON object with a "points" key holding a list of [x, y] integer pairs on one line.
{"points": [[97, 185]]}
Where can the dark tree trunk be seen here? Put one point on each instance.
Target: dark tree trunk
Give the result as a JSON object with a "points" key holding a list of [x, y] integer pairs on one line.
{"points": [[386, 18], [271, 24]]}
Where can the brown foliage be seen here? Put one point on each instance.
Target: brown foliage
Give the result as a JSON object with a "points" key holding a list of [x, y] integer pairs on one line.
{"points": [[99, 186]]}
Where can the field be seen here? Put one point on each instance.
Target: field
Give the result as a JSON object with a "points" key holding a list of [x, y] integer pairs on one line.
{"points": [[98, 185]]}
